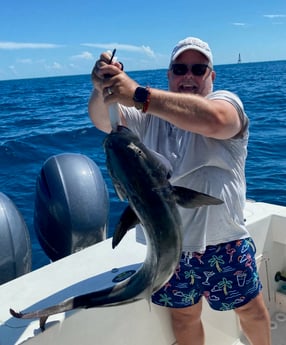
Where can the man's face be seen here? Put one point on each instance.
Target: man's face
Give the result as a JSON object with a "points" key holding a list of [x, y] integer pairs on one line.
{"points": [[189, 82]]}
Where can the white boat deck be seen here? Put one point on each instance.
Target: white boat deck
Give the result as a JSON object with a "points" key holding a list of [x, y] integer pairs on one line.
{"points": [[141, 322]]}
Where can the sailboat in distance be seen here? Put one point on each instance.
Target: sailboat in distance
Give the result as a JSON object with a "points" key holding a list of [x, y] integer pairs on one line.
{"points": [[239, 58]]}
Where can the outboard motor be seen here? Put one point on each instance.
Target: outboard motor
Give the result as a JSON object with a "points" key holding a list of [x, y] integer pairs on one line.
{"points": [[71, 205], [15, 244]]}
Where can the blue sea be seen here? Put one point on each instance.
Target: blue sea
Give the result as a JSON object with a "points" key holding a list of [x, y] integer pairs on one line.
{"points": [[43, 117]]}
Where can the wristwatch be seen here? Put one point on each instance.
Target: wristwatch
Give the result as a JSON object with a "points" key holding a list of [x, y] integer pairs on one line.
{"points": [[141, 98]]}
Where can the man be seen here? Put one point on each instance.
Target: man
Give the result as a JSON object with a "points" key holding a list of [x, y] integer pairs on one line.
{"points": [[204, 135]]}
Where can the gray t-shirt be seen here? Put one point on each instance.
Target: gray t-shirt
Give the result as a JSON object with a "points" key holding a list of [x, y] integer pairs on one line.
{"points": [[207, 165]]}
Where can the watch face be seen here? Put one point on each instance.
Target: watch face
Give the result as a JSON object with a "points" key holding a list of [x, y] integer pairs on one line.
{"points": [[140, 94]]}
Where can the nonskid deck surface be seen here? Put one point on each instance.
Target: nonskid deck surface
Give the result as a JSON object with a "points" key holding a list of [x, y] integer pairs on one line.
{"points": [[278, 328]]}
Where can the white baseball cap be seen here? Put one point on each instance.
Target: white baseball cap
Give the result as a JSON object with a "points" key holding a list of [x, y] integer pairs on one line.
{"points": [[192, 43]]}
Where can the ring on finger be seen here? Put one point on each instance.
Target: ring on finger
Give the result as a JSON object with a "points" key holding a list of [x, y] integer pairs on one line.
{"points": [[109, 91]]}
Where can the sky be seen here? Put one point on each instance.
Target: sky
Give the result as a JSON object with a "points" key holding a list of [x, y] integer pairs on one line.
{"points": [[58, 37]]}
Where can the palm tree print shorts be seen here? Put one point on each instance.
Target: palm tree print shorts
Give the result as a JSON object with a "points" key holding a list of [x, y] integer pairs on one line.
{"points": [[225, 274]]}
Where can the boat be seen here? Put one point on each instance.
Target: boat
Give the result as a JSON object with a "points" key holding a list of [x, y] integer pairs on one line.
{"points": [[239, 58], [140, 322]]}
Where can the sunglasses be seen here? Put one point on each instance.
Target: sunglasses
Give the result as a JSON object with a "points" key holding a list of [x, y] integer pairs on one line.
{"points": [[197, 69]]}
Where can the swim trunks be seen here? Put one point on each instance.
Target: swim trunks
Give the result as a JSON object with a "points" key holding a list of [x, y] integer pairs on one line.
{"points": [[225, 274]]}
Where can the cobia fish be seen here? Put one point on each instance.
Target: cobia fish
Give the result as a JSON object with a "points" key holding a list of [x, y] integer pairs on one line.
{"points": [[142, 178]]}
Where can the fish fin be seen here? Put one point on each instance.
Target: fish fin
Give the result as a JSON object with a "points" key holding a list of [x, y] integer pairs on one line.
{"points": [[190, 198], [43, 320], [15, 314], [43, 314], [126, 222], [20, 315]]}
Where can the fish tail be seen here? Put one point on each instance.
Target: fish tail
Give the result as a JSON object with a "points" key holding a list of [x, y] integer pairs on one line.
{"points": [[62, 307]]}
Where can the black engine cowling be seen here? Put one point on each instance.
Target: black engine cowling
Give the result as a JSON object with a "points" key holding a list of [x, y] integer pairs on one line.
{"points": [[71, 205], [15, 244]]}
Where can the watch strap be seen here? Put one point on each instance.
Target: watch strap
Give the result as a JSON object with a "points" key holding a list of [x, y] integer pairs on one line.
{"points": [[141, 98]]}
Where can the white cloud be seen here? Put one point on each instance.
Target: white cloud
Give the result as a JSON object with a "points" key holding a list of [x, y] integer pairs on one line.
{"points": [[84, 56], [25, 61], [18, 45], [148, 51], [274, 16], [12, 68], [239, 24], [124, 47], [54, 66]]}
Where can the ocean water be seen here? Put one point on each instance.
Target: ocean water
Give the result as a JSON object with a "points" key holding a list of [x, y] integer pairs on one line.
{"points": [[43, 117]]}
